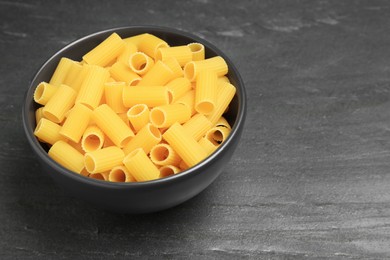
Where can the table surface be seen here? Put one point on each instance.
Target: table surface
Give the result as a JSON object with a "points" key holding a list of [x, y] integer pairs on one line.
{"points": [[310, 177]]}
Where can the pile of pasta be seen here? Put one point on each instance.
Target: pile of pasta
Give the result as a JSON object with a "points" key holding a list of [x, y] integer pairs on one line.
{"points": [[134, 109]]}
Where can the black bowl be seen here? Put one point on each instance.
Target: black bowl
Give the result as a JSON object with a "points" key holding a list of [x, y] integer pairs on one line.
{"points": [[147, 196]]}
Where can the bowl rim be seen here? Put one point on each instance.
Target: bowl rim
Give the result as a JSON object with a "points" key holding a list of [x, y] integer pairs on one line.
{"points": [[188, 173]]}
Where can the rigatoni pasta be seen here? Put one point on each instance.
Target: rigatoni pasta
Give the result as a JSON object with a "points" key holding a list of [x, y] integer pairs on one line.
{"points": [[134, 109]]}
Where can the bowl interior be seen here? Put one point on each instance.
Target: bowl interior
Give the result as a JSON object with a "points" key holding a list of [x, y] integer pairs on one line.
{"points": [[78, 48]]}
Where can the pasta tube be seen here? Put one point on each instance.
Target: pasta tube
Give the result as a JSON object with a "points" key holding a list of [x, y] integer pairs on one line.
{"points": [[61, 71], [39, 114], [197, 126], [184, 144], [149, 44], [44, 92], [121, 72], [146, 138], [140, 63], [67, 156], [103, 159], [206, 92], [177, 88], [225, 95], [140, 166], [150, 96], [74, 71], [138, 116], [106, 51], [48, 131], [93, 139], [217, 134], [129, 49], [158, 75], [92, 88], [167, 115], [182, 54], [59, 104], [112, 125], [120, 174], [197, 49], [113, 96], [76, 123], [163, 154], [216, 64]]}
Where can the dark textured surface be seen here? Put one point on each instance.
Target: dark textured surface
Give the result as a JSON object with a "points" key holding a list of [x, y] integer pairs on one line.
{"points": [[310, 177]]}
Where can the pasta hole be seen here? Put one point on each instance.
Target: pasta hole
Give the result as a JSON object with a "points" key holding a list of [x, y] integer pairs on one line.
{"points": [[155, 132], [39, 92], [89, 163], [205, 107], [92, 143], [166, 171], [159, 154], [195, 47], [136, 110], [170, 96], [117, 175], [157, 117], [218, 136]]}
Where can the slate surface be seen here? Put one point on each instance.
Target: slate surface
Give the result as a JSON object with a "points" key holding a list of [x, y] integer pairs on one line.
{"points": [[310, 177]]}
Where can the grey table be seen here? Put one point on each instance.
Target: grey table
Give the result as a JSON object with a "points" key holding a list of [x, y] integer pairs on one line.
{"points": [[310, 177]]}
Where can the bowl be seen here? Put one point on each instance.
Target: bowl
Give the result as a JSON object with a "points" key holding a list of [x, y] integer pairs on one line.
{"points": [[141, 197]]}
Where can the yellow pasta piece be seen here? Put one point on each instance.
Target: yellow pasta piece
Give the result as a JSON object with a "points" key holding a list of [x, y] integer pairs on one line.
{"points": [[225, 95], [217, 134], [174, 65], [163, 154], [146, 138], [113, 96], [223, 79], [140, 166], [138, 116], [188, 99], [177, 88], [149, 44], [39, 114], [73, 72], [150, 96], [121, 72], [136, 39], [44, 92], [120, 174], [129, 49], [167, 115], [206, 92], [158, 75], [182, 54], [61, 71], [207, 145], [79, 79], [223, 122], [185, 145], [112, 125], [93, 139], [168, 170], [103, 159], [140, 63], [216, 64], [197, 49], [106, 51], [197, 126], [67, 156], [92, 88], [48, 131], [76, 123], [59, 104]]}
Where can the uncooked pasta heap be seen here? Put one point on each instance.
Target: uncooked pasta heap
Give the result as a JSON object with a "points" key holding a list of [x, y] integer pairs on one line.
{"points": [[134, 109]]}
